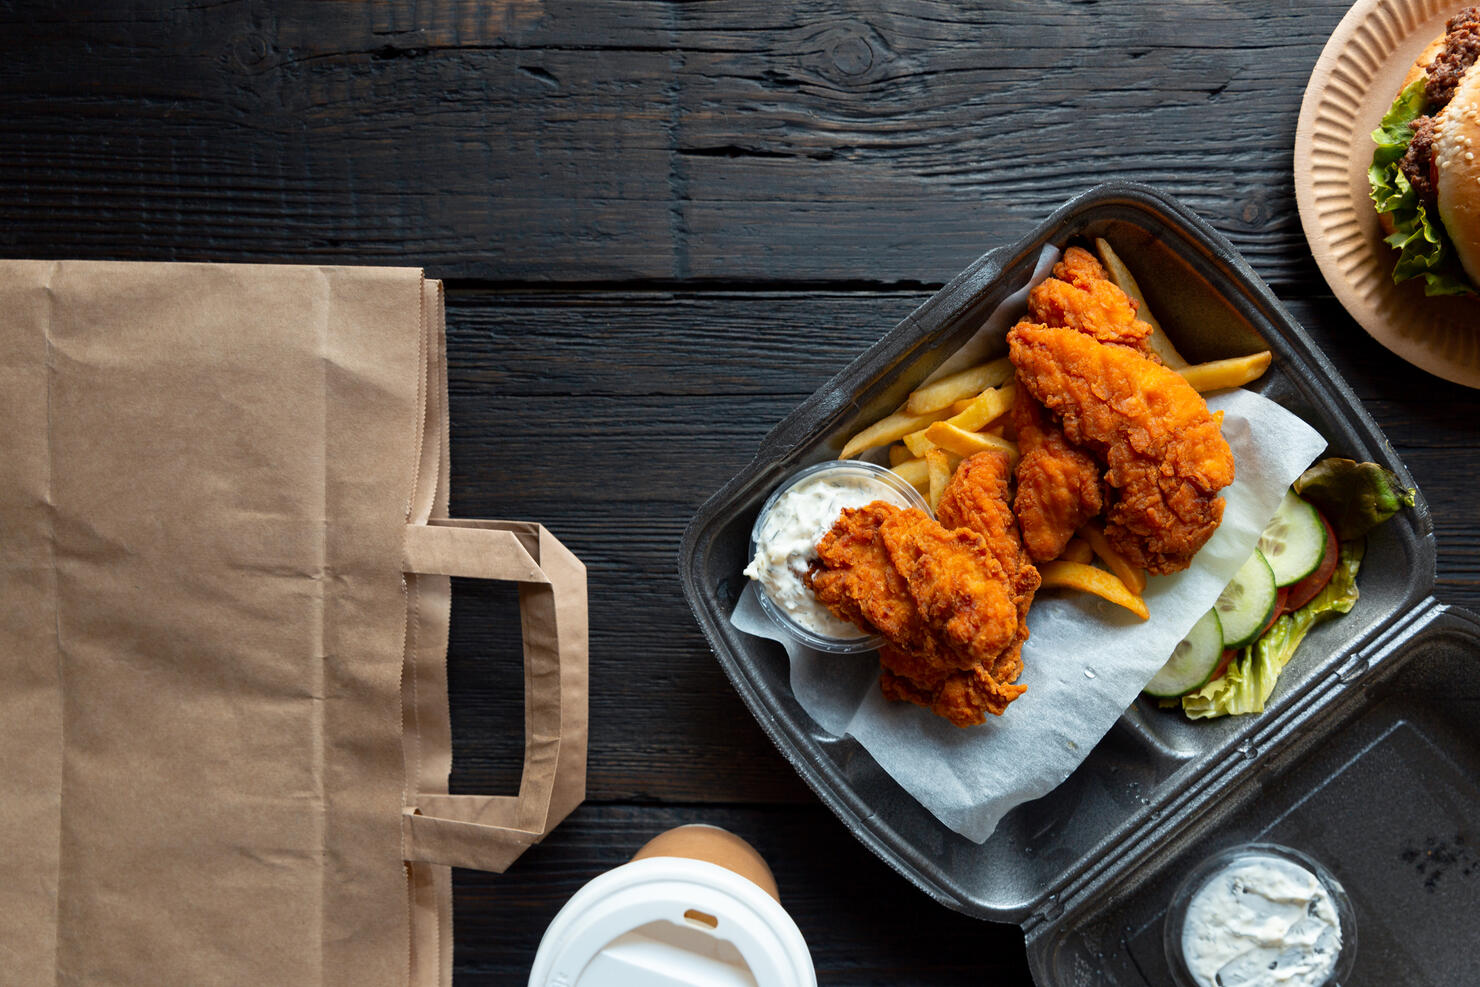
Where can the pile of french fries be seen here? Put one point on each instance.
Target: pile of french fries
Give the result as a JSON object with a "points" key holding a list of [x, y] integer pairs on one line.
{"points": [[964, 413]]}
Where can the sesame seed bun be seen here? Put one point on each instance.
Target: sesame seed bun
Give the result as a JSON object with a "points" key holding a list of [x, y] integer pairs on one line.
{"points": [[1420, 66], [1457, 159]]}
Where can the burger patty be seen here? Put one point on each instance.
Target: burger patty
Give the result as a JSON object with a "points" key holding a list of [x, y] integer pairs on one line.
{"points": [[1416, 163], [1461, 50]]}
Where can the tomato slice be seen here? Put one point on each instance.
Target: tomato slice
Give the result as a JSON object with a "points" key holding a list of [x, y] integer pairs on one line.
{"points": [[1279, 610], [1223, 665], [1306, 589]]}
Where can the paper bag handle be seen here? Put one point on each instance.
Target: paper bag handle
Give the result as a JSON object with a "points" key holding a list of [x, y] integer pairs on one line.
{"points": [[488, 832]]}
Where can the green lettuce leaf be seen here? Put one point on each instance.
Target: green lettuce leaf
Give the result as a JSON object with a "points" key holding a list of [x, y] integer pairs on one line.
{"points": [[1422, 244], [1250, 678], [1355, 497]]}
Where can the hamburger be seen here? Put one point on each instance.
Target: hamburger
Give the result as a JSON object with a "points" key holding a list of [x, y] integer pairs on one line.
{"points": [[1425, 174]]}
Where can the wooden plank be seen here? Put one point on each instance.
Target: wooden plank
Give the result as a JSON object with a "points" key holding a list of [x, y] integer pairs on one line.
{"points": [[658, 399], [863, 923], [739, 141], [334, 130], [757, 343]]}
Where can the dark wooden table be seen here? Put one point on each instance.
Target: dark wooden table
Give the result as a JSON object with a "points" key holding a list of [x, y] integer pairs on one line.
{"points": [[662, 225]]}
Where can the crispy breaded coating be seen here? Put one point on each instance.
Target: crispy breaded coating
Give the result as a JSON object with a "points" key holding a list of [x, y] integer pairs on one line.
{"points": [[1080, 296], [962, 591], [1058, 485], [1166, 457], [950, 601]]}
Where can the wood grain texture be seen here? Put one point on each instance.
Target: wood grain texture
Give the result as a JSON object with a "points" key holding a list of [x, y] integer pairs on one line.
{"points": [[557, 141]]}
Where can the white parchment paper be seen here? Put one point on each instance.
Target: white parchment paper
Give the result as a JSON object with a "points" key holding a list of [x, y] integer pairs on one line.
{"points": [[1083, 664]]}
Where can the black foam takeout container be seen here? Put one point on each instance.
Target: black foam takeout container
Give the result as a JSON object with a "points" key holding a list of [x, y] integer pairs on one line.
{"points": [[1365, 755]]}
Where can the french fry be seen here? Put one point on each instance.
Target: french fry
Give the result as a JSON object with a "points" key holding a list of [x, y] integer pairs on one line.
{"points": [[988, 406], [1133, 577], [1123, 279], [1078, 550], [938, 465], [964, 443], [915, 473], [959, 406], [1073, 575], [899, 454], [917, 444], [961, 384], [887, 430], [1233, 372]]}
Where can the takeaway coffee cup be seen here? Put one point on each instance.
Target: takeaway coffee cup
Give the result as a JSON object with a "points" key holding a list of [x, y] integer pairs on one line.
{"points": [[695, 906]]}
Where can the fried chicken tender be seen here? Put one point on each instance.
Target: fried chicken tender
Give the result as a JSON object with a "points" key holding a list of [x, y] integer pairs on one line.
{"points": [[975, 505], [1078, 266], [1166, 457], [958, 585], [1081, 296], [952, 602], [963, 697], [856, 581], [1058, 485], [976, 498], [938, 594]]}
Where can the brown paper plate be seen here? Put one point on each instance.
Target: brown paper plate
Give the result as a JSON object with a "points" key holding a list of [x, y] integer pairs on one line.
{"points": [[1353, 85]]}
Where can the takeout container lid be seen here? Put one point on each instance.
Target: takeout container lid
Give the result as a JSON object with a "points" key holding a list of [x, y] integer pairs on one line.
{"points": [[677, 921], [1373, 777], [1088, 869]]}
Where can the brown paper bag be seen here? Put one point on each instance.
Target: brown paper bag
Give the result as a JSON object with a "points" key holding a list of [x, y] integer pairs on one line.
{"points": [[224, 562]]}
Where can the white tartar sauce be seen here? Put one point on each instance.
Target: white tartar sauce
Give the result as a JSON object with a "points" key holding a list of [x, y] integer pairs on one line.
{"points": [[786, 542], [1262, 920]]}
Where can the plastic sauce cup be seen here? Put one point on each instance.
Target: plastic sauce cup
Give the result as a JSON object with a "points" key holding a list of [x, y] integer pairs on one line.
{"points": [[1176, 924], [695, 906], [887, 485]]}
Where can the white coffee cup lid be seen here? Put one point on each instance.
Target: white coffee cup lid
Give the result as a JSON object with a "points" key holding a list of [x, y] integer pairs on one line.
{"points": [[672, 922]]}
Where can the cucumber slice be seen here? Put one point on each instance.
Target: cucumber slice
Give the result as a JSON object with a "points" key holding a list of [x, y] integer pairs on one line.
{"points": [[1247, 602], [1193, 661], [1294, 541]]}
